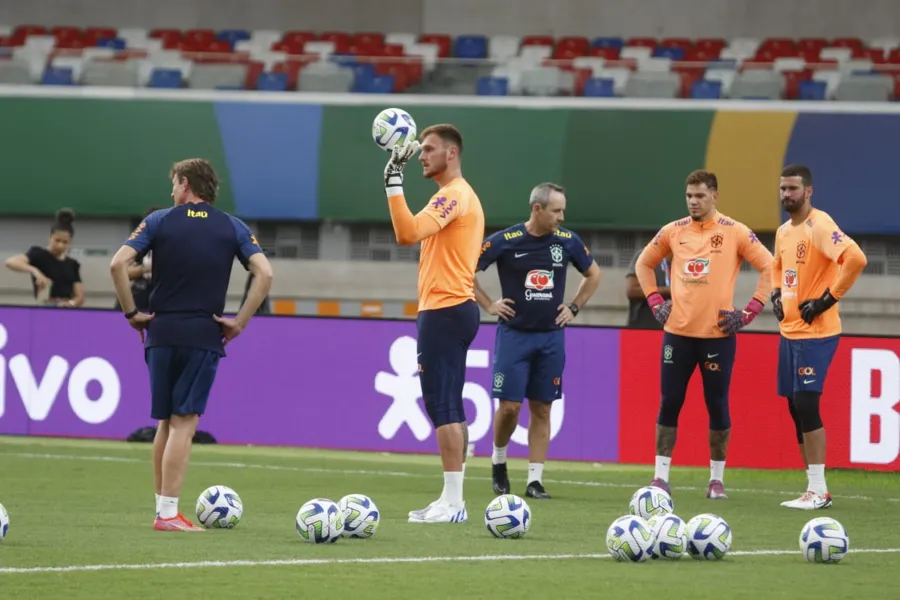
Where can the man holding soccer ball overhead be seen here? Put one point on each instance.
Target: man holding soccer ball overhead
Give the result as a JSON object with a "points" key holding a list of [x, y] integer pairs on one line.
{"points": [[451, 228], [700, 320]]}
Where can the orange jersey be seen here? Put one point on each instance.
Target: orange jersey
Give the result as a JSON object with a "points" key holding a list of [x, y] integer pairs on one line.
{"points": [[808, 260], [450, 256], [706, 258]]}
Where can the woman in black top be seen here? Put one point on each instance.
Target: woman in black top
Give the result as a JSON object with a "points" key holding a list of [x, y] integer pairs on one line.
{"points": [[51, 267]]}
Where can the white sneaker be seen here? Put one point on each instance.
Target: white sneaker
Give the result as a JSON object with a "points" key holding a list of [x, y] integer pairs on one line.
{"points": [[440, 513], [422, 511], [809, 501]]}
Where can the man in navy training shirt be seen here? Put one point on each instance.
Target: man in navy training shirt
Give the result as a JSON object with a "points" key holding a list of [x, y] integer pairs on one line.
{"points": [[194, 246], [529, 349]]}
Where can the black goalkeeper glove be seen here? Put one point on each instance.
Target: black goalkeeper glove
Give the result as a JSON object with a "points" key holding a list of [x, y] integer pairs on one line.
{"points": [[810, 309], [777, 307], [393, 171]]}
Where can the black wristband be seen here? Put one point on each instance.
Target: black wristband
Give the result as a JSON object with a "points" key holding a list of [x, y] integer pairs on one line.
{"points": [[130, 315], [574, 308], [828, 299]]}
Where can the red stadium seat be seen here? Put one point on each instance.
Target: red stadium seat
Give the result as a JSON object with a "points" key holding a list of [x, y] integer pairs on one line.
{"points": [[847, 42], [63, 33], [368, 38], [700, 54], [392, 50], [688, 76], [711, 45], [607, 52], [396, 69], [566, 53], [254, 68], [291, 68], [896, 94], [792, 81], [779, 46], [538, 40], [289, 47], [338, 37], [894, 56], [70, 43], [442, 41], [577, 46], [811, 45], [645, 42], [676, 42], [298, 37], [876, 55], [199, 36], [581, 78], [94, 34]]}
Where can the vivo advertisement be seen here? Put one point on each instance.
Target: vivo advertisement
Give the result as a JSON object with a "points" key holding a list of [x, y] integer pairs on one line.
{"points": [[352, 384]]}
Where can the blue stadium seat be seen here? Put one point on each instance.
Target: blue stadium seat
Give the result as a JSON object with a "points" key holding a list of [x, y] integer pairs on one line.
{"points": [[599, 88], [379, 84], [706, 89], [471, 46], [114, 43], [673, 53], [165, 78], [608, 42], [812, 90], [492, 86], [344, 60], [57, 76], [233, 35], [272, 82], [363, 74]]}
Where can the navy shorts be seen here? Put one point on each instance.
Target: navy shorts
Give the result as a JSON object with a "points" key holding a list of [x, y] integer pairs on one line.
{"points": [[528, 364], [681, 356], [444, 337], [180, 380], [803, 364]]}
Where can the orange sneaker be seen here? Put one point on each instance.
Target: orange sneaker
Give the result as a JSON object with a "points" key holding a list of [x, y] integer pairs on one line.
{"points": [[177, 523]]}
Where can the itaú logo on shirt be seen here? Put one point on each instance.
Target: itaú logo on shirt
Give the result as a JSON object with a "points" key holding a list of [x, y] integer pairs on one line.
{"points": [[536, 282], [696, 267], [790, 279]]}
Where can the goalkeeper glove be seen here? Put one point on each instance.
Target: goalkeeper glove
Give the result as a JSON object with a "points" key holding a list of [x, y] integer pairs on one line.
{"points": [[810, 309], [393, 171], [661, 308], [777, 307], [732, 321]]}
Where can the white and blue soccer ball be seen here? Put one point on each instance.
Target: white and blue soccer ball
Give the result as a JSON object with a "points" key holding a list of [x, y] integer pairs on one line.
{"points": [[824, 540], [670, 540], [507, 516], [4, 522], [650, 501], [709, 537], [320, 521], [629, 539], [360, 515], [393, 127], [219, 507]]}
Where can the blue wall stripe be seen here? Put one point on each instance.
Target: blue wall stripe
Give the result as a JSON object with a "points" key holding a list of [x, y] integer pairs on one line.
{"points": [[273, 157]]}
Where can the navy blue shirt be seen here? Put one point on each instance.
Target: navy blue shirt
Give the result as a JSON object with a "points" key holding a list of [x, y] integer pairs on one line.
{"points": [[532, 272], [194, 247]]}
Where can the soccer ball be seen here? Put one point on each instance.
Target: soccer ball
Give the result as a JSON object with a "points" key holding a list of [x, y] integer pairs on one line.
{"points": [[709, 537], [4, 522], [507, 516], [650, 501], [629, 539], [824, 540], [670, 538], [360, 515], [392, 127], [219, 507], [320, 521]]}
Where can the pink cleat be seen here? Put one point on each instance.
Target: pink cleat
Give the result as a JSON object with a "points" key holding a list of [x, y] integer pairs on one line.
{"points": [[177, 523], [716, 490], [661, 484]]}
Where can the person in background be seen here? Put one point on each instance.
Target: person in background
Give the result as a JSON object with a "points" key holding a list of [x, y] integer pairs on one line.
{"points": [[140, 275], [55, 276], [640, 316]]}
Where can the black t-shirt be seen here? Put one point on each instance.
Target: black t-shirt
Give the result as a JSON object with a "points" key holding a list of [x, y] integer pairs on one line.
{"points": [[640, 315], [63, 273]]}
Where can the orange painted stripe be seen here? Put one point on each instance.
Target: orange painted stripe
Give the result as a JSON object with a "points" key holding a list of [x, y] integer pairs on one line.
{"points": [[284, 307], [328, 308], [411, 309]]}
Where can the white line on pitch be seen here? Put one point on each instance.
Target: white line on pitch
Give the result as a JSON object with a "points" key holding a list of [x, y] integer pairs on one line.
{"points": [[368, 561], [241, 465]]}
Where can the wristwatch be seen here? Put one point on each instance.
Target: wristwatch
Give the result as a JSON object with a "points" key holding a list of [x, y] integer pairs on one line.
{"points": [[574, 308], [130, 315]]}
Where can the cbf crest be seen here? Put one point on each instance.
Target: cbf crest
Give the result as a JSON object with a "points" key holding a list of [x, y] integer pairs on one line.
{"points": [[556, 254]]}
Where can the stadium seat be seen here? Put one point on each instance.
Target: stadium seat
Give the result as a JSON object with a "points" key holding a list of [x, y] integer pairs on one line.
{"points": [[599, 88], [324, 77], [15, 72], [233, 36], [471, 46], [811, 90], [673, 53], [864, 88], [653, 84], [58, 76], [607, 42], [272, 82], [110, 73], [165, 78], [217, 76], [113, 42], [706, 90]]}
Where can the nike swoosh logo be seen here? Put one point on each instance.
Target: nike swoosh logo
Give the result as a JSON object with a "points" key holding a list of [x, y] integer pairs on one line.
{"points": [[808, 381], [520, 255], [712, 355], [682, 242]]}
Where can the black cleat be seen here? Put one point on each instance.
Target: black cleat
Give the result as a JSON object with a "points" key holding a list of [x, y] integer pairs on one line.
{"points": [[536, 490], [501, 479]]}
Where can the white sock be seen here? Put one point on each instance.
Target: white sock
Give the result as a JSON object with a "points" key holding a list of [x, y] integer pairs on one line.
{"points": [[816, 474], [499, 455], [717, 470], [168, 507], [157, 503], [662, 467], [453, 488], [535, 472]]}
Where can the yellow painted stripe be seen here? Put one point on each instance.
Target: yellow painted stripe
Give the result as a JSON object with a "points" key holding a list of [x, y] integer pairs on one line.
{"points": [[746, 151]]}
